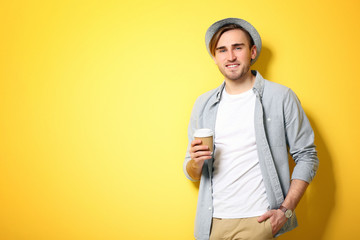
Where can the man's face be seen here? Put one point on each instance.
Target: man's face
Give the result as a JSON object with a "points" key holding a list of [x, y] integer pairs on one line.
{"points": [[233, 55]]}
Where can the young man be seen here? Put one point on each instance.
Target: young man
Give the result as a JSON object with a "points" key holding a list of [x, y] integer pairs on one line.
{"points": [[245, 188]]}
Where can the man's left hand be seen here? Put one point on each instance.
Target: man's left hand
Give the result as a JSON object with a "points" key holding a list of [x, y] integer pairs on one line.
{"points": [[277, 219]]}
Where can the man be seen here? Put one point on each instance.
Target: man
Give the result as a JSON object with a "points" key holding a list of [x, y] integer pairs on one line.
{"points": [[245, 188]]}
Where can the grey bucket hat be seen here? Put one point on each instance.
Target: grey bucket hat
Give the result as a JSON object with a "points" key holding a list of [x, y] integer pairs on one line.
{"points": [[242, 23]]}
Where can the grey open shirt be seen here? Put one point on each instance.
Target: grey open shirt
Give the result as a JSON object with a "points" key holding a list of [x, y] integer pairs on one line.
{"points": [[280, 123]]}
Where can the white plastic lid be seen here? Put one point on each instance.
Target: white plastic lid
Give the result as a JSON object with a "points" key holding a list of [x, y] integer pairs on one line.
{"points": [[203, 132]]}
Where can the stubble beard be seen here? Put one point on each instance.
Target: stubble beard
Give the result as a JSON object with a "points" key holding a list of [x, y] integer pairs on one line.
{"points": [[237, 76]]}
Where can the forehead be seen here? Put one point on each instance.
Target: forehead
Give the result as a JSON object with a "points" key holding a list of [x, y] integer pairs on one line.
{"points": [[233, 36]]}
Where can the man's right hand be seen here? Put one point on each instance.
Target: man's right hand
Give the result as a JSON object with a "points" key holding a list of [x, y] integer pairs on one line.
{"points": [[198, 153]]}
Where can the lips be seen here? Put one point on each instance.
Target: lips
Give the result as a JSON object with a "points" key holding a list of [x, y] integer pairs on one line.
{"points": [[232, 66]]}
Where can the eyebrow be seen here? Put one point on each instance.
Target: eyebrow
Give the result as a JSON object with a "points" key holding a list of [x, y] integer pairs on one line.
{"points": [[233, 45]]}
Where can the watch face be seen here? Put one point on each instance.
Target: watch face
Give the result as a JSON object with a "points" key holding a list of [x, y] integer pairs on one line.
{"points": [[288, 213]]}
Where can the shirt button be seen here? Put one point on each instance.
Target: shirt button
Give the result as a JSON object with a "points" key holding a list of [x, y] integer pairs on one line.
{"points": [[209, 208]]}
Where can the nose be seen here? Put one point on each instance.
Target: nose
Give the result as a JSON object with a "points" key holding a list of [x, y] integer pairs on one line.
{"points": [[231, 56]]}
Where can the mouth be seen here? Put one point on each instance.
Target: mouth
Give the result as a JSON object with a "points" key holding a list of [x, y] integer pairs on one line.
{"points": [[232, 66]]}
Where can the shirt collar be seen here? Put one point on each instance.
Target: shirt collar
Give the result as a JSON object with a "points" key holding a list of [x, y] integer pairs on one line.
{"points": [[259, 83], [219, 92]]}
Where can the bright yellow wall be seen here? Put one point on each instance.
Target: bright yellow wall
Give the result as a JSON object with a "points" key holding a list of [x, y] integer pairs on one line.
{"points": [[95, 98]]}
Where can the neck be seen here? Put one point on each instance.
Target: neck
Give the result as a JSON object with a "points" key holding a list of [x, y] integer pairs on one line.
{"points": [[240, 85]]}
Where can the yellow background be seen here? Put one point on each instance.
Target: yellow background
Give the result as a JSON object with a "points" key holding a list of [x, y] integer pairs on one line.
{"points": [[95, 98]]}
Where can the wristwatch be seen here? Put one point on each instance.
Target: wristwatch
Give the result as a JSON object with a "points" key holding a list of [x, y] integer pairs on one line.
{"points": [[288, 213]]}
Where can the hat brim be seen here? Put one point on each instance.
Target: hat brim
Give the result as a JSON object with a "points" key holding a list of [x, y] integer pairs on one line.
{"points": [[242, 23]]}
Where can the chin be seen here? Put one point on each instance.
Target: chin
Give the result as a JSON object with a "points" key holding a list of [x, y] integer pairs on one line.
{"points": [[235, 77]]}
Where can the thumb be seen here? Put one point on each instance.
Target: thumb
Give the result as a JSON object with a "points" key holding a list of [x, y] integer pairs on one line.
{"points": [[264, 216]]}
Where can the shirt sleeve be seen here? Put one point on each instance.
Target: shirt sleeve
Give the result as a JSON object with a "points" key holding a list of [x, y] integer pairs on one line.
{"points": [[191, 129], [300, 139]]}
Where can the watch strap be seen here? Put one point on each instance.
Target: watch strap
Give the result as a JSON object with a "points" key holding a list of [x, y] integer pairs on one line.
{"points": [[282, 208]]}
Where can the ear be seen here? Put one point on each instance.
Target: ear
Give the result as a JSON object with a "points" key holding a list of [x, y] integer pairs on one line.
{"points": [[253, 52]]}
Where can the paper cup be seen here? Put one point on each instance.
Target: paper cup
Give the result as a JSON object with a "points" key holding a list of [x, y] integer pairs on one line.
{"points": [[206, 135]]}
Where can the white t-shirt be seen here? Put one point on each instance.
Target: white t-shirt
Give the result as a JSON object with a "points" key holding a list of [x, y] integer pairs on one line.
{"points": [[238, 188]]}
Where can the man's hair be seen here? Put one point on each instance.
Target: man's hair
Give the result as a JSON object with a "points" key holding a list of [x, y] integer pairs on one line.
{"points": [[215, 39]]}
